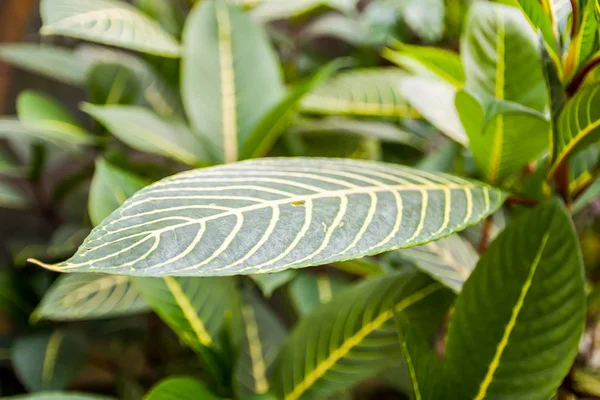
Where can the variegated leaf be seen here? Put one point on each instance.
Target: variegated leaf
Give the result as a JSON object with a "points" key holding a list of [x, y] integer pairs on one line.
{"points": [[269, 215]]}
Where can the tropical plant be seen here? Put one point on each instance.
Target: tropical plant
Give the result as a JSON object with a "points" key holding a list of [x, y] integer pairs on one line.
{"points": [[271, 222]]}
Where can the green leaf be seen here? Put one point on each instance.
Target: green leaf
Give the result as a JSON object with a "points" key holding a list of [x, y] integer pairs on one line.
{"points": [[51, 61], [522, 343], [180, 388], [425, 17], [263, 335], [310, 289], [283, 9], [449, 260], [586, 41], [112, 83], [578, 125], [145, 131], [110, 22], [169, 14], [273, 214], [90, 296], [428, 62], [269, 283], [420, 92], [590, 195], [109, 189], [353, 336], [230, 77], [47, 118], [58, 396], [12, 197], [365, 92], [48, 361]]}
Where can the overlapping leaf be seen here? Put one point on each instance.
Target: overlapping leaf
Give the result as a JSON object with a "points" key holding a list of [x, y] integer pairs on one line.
{"points": [[586, 42], [180, 388], [578, 125], [354, 336], [230, 77], [110, 22], [366, 92], [273, 214], [522, 343], [90, 296]]}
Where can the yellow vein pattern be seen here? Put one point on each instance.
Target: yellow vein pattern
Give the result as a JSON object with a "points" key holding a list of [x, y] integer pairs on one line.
{"points": [[89, 296], [259, 368], [268, 215], [368, 92]]}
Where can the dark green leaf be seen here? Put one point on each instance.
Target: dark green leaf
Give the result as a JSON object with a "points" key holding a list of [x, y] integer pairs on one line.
{"points": [[180, 388]]}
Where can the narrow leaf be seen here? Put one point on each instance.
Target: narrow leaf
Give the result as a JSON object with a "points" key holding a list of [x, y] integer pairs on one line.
{"points": [[274, 214], [522, 343], [180, 388], [110, 22]]}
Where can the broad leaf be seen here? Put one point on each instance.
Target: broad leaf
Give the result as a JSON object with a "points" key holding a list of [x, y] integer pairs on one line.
{"points": [[522, 343], [90, 296], [268, 283], [51, 61], [366, 92], [356, 325], [282, 9], [578, 125], [110, 83], [230, 77], [263, 335], [180, 388], [449, 260], [109, 189], [48, 361], [421, 92], [110, 22], [145, 131], [310, 289], [268, 215], [428, 62], [59, 396]]}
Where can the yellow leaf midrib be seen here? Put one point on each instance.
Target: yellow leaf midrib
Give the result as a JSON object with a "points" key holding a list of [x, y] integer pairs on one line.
{"points": [[499, 94]]}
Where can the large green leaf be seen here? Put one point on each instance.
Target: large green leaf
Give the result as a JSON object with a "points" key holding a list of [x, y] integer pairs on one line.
{"points": [[578, 125], [420, 92], [449, 260], [90, 296], [110, 22], [274, 214], [263, 335], [230, 76], [366, 92], [51, 61], [48, 361], [517, 323], [145, 131], [180, 388], [508, 88], [354, 336], [59, 396], [109, 189]]}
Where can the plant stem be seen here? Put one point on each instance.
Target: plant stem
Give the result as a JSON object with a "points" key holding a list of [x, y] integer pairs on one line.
{"points": [[485, 235], [561, 181]]}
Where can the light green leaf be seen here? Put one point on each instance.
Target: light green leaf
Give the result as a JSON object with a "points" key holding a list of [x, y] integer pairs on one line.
{"points": [[356, 324], [109, 189], [522, 343], [449, 260], [428, 62], [421, 92], [273, 214], [230, 77], [169, 14], [366, 92], [268, 283], [90, 296], [110, 22], [263, 335], [578, 125], [48, 361], [586, 41], [310, 289], [180, 388], [145, 131], [12, 197], [283, 9], [51, 61], [338, 26], [59, 396]]}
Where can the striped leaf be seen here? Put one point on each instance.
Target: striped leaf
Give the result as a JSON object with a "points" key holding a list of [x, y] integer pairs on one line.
{"points": [[268, 215], [263, 335], [180, 388], [354, 336], [230, 77], [54, 62], [449, 260], [59, 396], [110, 22], [517, 323], [364, 92], [90, 296], [578, 125], [48, 361]]}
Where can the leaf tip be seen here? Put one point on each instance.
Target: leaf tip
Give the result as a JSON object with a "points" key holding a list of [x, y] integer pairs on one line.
{"points": [[39, 263]]}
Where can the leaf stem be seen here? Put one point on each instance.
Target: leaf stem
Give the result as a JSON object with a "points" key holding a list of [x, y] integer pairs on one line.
{"points": [[579, 78], [561, 181], [485, 235]]}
